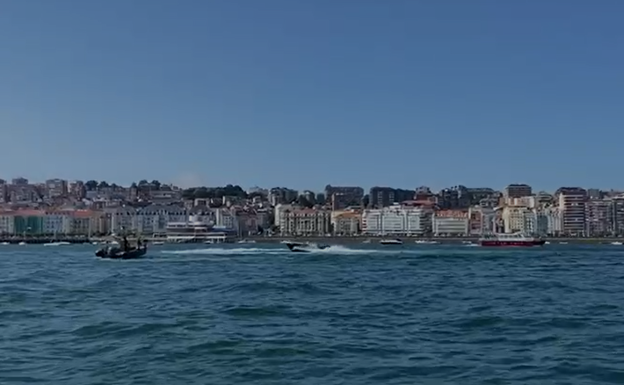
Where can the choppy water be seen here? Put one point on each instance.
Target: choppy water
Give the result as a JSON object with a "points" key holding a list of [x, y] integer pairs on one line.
{"points": [[263, 315]]}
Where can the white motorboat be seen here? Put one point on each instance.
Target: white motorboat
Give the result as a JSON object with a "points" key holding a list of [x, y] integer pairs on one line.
{"points": [[391, 242], [305, 247]]}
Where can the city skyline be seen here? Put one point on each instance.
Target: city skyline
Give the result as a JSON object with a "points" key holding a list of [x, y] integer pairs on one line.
{"points": [[215, 92], [318, 189]]}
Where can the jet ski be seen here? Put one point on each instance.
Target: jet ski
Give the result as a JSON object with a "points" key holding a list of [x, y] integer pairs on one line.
{"points": [[118, 253], [304, 247]]}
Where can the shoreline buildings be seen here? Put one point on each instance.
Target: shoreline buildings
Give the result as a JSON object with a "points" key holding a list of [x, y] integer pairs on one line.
{"points": [[59, 207]]}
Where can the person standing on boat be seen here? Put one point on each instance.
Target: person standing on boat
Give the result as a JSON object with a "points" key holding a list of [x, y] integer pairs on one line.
{"points": [[126, 245]]}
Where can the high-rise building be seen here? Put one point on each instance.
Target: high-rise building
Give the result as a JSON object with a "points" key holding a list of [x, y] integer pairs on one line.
{"points": [[572, 205], [380, 197], [20, 181], [342, 197], [518, 191], [55, 188], [454, 198]]}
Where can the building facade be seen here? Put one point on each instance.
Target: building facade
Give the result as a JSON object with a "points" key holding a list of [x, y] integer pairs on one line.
{"points": [[451, 223]]}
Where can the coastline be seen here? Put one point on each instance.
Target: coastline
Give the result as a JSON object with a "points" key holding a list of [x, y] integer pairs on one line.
{"points": [[321, 240]]}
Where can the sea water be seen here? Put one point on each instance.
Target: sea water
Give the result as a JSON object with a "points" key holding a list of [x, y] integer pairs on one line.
{"points": [[364, 314]]}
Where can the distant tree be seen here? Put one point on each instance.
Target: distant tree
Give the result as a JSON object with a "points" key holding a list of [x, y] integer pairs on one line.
{"points": [[156, 184], [365, 201], [143, 182], [114, 185], [91, 185], [133, 185], [320, 198], [103, 184]]}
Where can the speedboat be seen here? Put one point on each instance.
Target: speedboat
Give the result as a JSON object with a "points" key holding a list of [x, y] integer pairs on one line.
{"points": [[305, 247], [391, 242], [118, 253], [616, 243]]}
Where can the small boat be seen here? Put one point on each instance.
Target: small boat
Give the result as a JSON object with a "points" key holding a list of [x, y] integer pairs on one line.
{"points": [[421, 242], [391, 242], [57, 244], [158, 243], [616, 243], [246, 241], [510, 240], [22, 243], [117, 253], [5, 243], [305, 247]]}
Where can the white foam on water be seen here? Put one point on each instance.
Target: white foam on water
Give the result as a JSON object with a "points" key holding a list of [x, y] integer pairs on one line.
{"points": [[257, 250]]}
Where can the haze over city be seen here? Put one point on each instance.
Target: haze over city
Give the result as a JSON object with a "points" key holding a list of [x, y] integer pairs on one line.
{"points": [[302, 94]]}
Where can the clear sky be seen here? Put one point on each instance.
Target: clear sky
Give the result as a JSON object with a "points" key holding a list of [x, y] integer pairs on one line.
{"points": [[304, 93]]}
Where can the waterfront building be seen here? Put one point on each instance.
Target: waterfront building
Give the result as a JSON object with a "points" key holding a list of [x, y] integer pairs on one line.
{"points": [[226, 219], [154, 218], [347, 223], [305, 222], [395, 220], [278, 211], [28, 222], [124, 219], [7, 223], [518, 191], [482, 220], [515, 219], [554, 219], [451, 223], [616, 215], [56, 222], [572, 204], [597, 218]]}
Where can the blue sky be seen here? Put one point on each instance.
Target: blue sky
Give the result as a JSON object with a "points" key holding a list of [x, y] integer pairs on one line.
{"points": [[304, 93]]}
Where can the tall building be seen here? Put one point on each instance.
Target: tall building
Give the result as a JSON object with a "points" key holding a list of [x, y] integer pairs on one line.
{"points": [[380, 197], [518, 191], [454, 198], [55, 188], [597, 218], [342, 197], [572, 205], [279, 195]]}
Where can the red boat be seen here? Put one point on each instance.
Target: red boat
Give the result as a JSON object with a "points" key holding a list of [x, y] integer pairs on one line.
{"points": [[510, 240]]}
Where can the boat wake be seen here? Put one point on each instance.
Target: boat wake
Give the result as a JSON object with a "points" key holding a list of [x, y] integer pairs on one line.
{"points": [[259, 251]]}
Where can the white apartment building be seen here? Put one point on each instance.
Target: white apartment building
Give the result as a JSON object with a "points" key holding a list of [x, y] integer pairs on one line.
{"points": [[154, 218], [395, 220], [346, 222], [451, 223], [305, 222], [7, 223]]}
